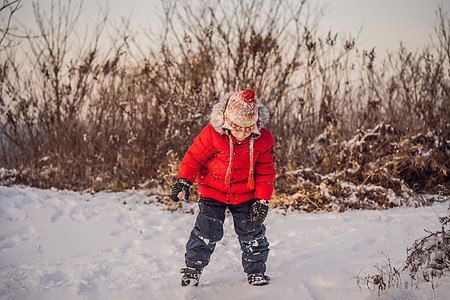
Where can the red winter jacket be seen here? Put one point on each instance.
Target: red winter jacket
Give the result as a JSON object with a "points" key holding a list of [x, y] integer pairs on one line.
{"points": [[209, 157]]}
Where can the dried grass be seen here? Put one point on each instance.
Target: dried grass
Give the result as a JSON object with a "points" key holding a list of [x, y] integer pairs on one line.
{"points": [[378, 168]]}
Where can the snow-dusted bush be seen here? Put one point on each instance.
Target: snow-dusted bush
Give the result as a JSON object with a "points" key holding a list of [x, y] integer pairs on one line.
{"points": [[377, 168], [430, 255], [7, 177]]}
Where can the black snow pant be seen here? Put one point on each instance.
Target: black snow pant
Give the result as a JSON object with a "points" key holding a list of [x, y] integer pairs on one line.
{"points": [[208, 230]]}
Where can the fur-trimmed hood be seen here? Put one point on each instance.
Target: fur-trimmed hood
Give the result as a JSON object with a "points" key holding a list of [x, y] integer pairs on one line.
{"points": [[217, 115]]}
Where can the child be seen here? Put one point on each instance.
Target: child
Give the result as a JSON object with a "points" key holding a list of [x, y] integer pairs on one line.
{"points": [[232, 158]]}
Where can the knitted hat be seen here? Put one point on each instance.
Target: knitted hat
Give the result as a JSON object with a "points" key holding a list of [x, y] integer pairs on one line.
{"points": [[241, 113]]}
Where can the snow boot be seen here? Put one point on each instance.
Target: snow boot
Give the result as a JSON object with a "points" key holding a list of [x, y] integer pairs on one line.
{"points": [[258, 279], [191, 276]]}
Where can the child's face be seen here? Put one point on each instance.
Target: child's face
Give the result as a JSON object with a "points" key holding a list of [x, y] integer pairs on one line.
{"points": [[240, 135]]}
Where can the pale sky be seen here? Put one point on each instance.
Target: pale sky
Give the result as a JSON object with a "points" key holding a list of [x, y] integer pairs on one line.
{"points": [[384, 23]]}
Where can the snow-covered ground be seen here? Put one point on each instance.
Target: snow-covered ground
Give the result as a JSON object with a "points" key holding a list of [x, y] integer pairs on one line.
{"points": [[69, 245]]}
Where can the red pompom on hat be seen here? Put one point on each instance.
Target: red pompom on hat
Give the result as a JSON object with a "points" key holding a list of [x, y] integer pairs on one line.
{"points": [[248, 95]]}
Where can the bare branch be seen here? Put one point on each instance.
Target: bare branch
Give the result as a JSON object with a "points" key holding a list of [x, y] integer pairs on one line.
{"points": [[13, 7]]}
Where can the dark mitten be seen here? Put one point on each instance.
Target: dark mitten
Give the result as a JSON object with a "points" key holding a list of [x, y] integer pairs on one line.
{"points": [[181, 190], [258, 211]]}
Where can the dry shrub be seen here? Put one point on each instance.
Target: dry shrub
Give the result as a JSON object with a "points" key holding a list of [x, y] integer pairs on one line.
{"points": [[387, 277], [378, 168], [430, 254], [384, 155], [334, 194]]}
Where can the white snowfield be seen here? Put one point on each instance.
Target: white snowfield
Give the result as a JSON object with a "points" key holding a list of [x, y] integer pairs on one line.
{"points": [[70, 245]]}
